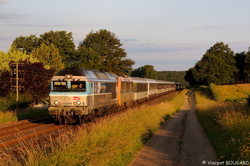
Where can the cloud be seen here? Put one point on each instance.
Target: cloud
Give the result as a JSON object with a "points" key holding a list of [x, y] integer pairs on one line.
{"points": [[3, 2], [8, 17], [128, 40], [223, 26], [152, 48]]}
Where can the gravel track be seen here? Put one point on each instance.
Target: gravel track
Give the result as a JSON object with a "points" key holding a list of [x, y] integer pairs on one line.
{"points": [[181, 141]]}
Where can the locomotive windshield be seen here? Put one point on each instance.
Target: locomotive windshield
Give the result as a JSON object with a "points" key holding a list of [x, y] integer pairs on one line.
{"points": [[78, 86], [59, 85], [73, 86]]}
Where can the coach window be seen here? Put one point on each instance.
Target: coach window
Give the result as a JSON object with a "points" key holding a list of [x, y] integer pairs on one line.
{"points": [[141, 87], [152, 86]]}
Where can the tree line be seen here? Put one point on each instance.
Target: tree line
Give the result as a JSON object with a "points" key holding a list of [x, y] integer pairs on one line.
{"points": [[220, 65], [100, 50]]}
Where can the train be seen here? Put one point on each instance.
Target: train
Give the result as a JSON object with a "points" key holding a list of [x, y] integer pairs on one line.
{"points": [[78, 94]]}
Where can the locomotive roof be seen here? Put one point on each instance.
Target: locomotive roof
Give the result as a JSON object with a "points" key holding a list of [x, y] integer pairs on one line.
{"points": [[91, 75]]}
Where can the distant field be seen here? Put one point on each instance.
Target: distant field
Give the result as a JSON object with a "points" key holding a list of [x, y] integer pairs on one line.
{"points": [[230, 93]]}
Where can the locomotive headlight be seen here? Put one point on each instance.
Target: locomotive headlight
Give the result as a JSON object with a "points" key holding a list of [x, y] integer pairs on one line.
{"points": [[57, 102], [78, 102]]}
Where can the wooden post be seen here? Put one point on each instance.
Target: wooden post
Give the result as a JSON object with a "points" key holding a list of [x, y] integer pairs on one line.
{"points": [[17, 97]]}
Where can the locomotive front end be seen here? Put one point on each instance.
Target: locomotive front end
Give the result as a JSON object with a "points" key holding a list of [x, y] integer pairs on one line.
{"points": [[68, 96]]}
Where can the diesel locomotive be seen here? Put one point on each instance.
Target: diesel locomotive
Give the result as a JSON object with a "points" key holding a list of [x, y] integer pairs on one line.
{"points": [[78, 94]]}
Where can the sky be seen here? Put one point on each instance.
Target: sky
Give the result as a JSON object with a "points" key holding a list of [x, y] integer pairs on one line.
{"points": [[171, 35]]}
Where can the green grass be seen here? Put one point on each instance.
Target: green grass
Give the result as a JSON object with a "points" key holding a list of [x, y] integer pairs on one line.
{"points": [[113, 140], [227, 126]]}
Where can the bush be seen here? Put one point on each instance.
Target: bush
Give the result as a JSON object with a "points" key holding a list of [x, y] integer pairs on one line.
{"points": [[9, 102]]}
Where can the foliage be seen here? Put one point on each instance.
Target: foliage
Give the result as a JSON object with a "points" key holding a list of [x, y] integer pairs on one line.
{"points": [[216, 66], [5, 83], [26, 43], [13, 55], [87, 58], [9, 101], [39, 77], [241, 66], [34, 79], [100, 50], [63, 42], [60, 40], [247, 66], [189, 77], [107, 52], [146, 71], [49, 55]]}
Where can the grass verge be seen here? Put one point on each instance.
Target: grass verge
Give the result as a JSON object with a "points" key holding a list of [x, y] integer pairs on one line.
{"points": [[227, 126], [28, 113], [112, 141]]}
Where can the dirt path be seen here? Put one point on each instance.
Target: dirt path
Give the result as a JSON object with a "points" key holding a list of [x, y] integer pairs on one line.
{"points": [[181, 141]]}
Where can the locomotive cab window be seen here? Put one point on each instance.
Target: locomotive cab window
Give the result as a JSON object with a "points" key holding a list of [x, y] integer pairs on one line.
{"points": [[59, 85], [78, 85]]}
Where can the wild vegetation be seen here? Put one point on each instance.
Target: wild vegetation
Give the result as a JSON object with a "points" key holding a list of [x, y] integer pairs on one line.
{"points": [[112, 141], [231, 93], [227, 123]]}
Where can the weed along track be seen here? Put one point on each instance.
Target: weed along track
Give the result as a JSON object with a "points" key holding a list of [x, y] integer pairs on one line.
{"points": [[18, 135]]}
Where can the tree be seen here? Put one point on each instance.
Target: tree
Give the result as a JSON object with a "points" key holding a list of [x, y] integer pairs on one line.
{"points": [[111, 56], [14, 55], [216, 66], [189, 76], [37, 81], [49, 55], [5, 84], [146, 71], [247, 67], [88, 58], [240, 65], [63, 41], [26, 44]]}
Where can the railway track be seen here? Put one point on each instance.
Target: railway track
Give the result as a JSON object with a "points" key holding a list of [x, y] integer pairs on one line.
{"points": [[17, 135]]}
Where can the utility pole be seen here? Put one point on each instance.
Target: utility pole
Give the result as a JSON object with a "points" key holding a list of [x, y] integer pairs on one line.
{"points": [[15, 65], [17, 97]]}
